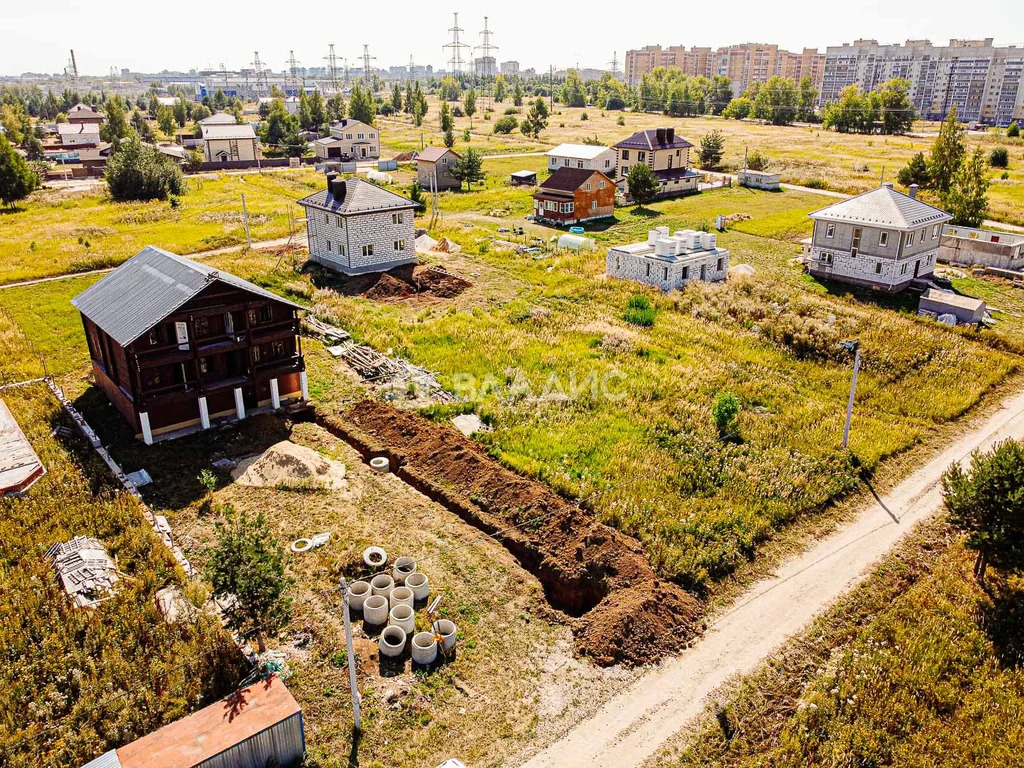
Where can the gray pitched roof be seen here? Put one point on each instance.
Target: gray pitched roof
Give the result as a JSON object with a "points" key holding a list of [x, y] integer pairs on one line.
{"points": [[883, 207], [147, 288], [360, 197]]}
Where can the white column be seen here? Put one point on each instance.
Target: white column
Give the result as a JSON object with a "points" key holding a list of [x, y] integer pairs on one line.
{"points": [[239, 403], [275, 395], [147, 433], [304, 386], [204, 413]]}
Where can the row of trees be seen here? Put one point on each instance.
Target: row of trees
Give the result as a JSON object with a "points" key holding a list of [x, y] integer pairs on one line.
{"points": [[887, 110], [779, 101]]}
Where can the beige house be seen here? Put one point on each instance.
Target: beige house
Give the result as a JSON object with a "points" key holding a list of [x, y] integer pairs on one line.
{"points": [[349, 140], [435, 163], [230, 143], [664, 153]]}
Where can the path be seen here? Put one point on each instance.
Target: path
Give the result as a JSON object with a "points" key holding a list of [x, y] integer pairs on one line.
{"points": [[632, 726], [259, 245]]}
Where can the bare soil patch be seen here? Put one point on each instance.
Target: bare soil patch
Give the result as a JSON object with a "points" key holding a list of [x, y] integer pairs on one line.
{"points": [[621, 611], [398, 284], [288, 465]]}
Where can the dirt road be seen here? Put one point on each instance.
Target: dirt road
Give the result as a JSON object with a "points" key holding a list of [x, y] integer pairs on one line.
{"points": [[632, 726]]}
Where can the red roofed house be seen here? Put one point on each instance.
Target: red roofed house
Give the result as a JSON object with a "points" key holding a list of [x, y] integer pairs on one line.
{"points": [[257, 726], [571, 195]]}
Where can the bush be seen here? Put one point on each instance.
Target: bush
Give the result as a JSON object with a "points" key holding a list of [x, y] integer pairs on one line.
{"points": [[138, 172], [724, 412], [506, 125], [999, 158], [457, 111], [584, 116], [815, 184], [640, 311], [621, 120], [1014, 130], [756, 161]]}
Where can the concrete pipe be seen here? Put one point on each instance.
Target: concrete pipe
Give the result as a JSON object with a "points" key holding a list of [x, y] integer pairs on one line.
{"points": [[419, 584], [446, 631], [375, 557], [375, 610], [400, 596], [382, 584], [358, 591], [380, 464], [424, 648], [392, 642], [403, 567], [404, 617]]}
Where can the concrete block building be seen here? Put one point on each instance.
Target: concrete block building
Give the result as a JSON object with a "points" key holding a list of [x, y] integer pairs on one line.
{"points": [[969, 247], [670, 261], [760, 180], [587, 156], [880, 239], [354, 226]]}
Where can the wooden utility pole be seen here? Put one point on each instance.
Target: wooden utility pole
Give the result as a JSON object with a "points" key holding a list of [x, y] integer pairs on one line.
{"points": [[245, 216], [853, 346], [356, 714]]}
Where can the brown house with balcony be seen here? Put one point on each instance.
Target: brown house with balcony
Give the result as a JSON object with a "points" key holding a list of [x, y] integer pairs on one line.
{"points": [[573, 195], [177, 345]]}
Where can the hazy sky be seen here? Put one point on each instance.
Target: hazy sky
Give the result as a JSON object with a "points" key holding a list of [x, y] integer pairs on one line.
{"points": [[36, 36]]}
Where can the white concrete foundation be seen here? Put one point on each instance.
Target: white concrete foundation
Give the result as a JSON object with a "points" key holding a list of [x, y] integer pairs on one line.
{"points": [[204, 413], [275, 395], [239, 403], [304, 386], [147, 432]]}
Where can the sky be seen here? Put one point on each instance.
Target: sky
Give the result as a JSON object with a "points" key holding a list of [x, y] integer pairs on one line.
{"points": [[37, 37]]}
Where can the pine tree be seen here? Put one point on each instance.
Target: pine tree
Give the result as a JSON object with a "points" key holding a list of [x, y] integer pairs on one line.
{"points": [[915, 172], [712, 149], [396, 98], [361, 106], [469, 168], [967, 198]]}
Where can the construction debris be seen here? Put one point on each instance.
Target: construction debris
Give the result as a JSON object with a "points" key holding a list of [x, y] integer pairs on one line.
{"points": [[84, 569], [392, 372], [444, 245], [20, 467], [327, 333]]}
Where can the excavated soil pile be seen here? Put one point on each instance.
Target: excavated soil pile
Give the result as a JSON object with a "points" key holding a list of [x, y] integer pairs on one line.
{"points": [[288, 465], [424, 281], [439, 283], [389, 287], [623, 611]]}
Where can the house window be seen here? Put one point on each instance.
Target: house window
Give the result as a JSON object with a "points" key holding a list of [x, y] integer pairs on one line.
{"points": [[348, 136], [328, 246], [202, 365], [444, 161], [340, 222], [826, 258], [883, 239], [618, 263], [587, 187], [910, 239], [648, 269], [327, 218], [830, 231], [665, 275], [276, 349], [368, 250], [341, 249], [856, 242], [361, 136], [579, 163], [935, 231], [625, 154], [262, 314], [593, 205], [995, 238], [878, 268], [600, 185], [641, 156], [202, 325], [686, 273], [255, 354], [607, 163], [399, 245], [153, 337], [903, 269], [373, 135], [396, 218], [721, 265], [565, 162]]}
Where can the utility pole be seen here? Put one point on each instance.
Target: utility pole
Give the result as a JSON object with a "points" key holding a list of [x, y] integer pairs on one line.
{"points": [[293, 69], [356, 714], [551, 88], [245, 217], [852, 346], [456, 47], [257, 66]]}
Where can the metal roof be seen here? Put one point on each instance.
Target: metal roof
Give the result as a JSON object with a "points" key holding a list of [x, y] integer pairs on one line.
{"points": [[106, 760], [20, 467], [652, 140], [220, 131], [578, 151], [360, 197], [150, 286], [569, 179], [433, 154], [219, 118], [883, 207]]}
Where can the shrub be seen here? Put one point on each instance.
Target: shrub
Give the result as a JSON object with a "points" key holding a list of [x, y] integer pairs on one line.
{"points": [[584, 116], [506, 125], [138, 172], [512, 110], [724, 412], [1014, 130], [999, 158], [621, 120], [457, 111], [815, 184], [640, 311], [756, 161]]}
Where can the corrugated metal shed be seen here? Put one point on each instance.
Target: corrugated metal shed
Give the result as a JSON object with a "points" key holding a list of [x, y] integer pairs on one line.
{"points": [[149, 287], [20, 467]]}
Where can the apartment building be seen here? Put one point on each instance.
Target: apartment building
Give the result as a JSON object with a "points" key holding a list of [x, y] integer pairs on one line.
{"points": [[742, 64], [983, 81]]}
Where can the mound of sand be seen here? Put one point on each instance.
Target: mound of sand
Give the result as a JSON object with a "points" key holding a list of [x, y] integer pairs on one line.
{"points": [[289, 465]]}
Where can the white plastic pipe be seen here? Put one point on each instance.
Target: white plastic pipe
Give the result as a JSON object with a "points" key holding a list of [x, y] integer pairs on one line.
{"points": [[404, 617], [424, 648], [392, 642], [403, 567], [400, 596], [382, 584], [304, 386], [375, 610], [358, 591], [419, 584], [447, 631]]}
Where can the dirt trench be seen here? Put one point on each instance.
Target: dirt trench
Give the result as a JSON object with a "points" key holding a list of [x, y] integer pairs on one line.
{"points": [[620, 611]]}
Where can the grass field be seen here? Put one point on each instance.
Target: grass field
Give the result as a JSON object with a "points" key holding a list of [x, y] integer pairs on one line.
{"points": [[918, 667]]}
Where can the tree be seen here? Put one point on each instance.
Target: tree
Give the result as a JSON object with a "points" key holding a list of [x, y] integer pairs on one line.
{"points": [[500, 89], [724, 412], [756, 161], [642, 184], [246, 566], [139, 172], [806, 101], [507, 124], [449, 89], [720, 94], [317, 112], [468, 168], [738, 109], [447, 121], [712, 149], [999, 158], [336, 108], [1013, 131], [851, 113], [17, 179], [776, 101], [536, 119], [449, 138], [892, 103], [517, 94], [469, 104], [115, 126], [574, 93], [915, 172], [165, 119], [361, 106], [180, 111], [611, 93], [947, 155], [967, 198], [396, 97], [280, 128], [987, 501]]}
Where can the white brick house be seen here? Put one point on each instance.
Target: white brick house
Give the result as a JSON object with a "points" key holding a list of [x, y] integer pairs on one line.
{"points": [[881, 239], [354, 226], [670, 261]]}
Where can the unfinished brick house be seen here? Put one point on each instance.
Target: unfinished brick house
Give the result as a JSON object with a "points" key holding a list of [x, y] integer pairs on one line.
{"points": [[177, 345]]}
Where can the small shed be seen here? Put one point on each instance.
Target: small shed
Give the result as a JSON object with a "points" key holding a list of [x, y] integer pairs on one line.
{"points": [[576, 243], [760, 180], [935, 302], [524, 179]]}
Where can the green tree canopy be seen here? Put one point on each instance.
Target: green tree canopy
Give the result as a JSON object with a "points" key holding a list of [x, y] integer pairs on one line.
{"points": [[115, 126], [17, 179], [469, 168], [574, 93], [915, 172], [712, 150], [140, 172], [642, 184], [469, 104], [776, 101], [806, 101], [967, 198], [500, 89], [361, 106], [948, 153]]}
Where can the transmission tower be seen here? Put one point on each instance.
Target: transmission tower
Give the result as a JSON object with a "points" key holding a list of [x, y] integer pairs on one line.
{"points": [[615, 63], [258, 73], [487, 60], [367, 58], [332, 67], [293, 69], [412, 69], [456, 47]]}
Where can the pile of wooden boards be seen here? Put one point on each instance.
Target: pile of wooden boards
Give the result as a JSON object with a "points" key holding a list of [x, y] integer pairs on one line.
{"points": [[378, 368]]}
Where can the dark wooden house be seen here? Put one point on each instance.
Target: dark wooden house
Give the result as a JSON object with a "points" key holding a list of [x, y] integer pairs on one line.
{"points": [[176, 344], [573, 195]]}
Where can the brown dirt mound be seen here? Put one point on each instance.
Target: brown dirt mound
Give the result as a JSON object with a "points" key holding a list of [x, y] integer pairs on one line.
{"points": [[389, 287], [286, 464], [625, 613], [439, 283], [403, 283]]}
